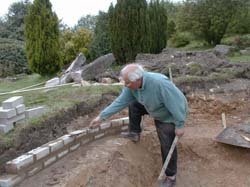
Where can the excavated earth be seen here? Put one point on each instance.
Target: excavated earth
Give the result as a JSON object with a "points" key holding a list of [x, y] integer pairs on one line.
{"points": [[117, 162]]}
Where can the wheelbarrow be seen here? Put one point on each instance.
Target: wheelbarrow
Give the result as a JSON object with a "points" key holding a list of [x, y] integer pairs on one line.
{"points": [[236, 135]]}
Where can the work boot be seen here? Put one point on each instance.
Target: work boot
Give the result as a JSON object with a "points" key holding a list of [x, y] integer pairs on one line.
{"points": [[133, 136], [168, 182]]}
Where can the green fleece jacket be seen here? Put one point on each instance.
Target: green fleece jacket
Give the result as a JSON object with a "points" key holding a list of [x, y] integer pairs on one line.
{"points": [[160, 97]]}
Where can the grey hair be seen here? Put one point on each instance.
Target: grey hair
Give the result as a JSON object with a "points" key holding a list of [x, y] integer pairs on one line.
{"points": [[134, 74]]}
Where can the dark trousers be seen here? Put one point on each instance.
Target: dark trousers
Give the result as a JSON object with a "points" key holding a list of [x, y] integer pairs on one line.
{"points": [[165, 131]]}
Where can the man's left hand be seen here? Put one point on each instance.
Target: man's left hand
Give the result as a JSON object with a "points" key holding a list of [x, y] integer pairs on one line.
{"points": [[179, 132]]}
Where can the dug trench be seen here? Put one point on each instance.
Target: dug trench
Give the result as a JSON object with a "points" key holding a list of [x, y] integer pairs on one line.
{"points": [[117, 162]]}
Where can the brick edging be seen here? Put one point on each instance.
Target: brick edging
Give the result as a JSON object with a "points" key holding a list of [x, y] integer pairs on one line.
{"points": [[37, 159]]}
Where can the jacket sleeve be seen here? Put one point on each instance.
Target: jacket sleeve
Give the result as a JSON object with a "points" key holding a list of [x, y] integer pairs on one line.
{"points": [[118, 104], [175, 102]]}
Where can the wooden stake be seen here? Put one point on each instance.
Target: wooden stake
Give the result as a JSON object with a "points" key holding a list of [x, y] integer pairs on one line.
{"points": [[170, 74], [223, 117]]}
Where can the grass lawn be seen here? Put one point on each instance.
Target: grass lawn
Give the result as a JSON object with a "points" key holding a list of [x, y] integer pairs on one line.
{"points": [[240, 58], [54, 100]]}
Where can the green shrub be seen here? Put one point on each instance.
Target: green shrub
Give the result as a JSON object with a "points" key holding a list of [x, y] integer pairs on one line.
{"points": [[180, 39], [12, 57], [240, 41]]}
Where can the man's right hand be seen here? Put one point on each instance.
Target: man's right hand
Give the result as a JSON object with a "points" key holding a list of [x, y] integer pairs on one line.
{"points": [[95, 122]]}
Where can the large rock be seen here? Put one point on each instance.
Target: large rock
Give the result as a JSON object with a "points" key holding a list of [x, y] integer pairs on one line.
{"points": [[77, 76], [77, 64], [53, 82], [97, 67], [224, 50]]}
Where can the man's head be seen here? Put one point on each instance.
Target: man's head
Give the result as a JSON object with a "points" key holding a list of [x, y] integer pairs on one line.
{"points": [[132, 76]]}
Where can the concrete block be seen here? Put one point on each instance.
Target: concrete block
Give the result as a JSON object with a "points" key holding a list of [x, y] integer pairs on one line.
{"points": [[125, 120], [10, 180], [85, 141], [63, 153], [17, 164], [79, 133], [12, 102], [49, 161], [34, 112], [13, 119], [5, 128], [67, 139], [56, 145], [20, 109], [7, 113], [74, 147], [93, 130], [99, 136], [105, 125], [116, 122], [35, 170], [124, 128], [39, 152]]}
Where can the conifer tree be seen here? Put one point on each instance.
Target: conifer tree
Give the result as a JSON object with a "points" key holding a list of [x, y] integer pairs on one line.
{"points": [[129, 29], [158, 26], [42, 38]]}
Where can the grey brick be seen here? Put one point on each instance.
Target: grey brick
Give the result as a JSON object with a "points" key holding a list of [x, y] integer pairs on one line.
{"points": [[124, 128], [63, 153], [49, 161], [40, 152], [79, 133], [117, 122], [56, 145], [93, 130], [74, 147], [85, 141], [5, 128], [10, 180], [18, 163], [13, 119], [7, 113], [105, 125], [99, 135], [34, 112], [67, 139], [12, 102], [35, 170], [20, 109]]}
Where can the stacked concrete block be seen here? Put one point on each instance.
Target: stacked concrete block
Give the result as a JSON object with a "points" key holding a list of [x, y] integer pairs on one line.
{"points": [[37, 159], [12, 111]]}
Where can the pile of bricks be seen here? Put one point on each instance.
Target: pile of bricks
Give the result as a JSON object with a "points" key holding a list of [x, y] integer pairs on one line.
{"points": [[35, 160], [13, 110]]}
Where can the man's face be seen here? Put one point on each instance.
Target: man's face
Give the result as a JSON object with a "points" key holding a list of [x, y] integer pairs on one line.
{"points": [[132, 85]]}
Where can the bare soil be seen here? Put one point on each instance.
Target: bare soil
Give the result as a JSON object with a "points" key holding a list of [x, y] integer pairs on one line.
{"points": [[117, 162]]}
